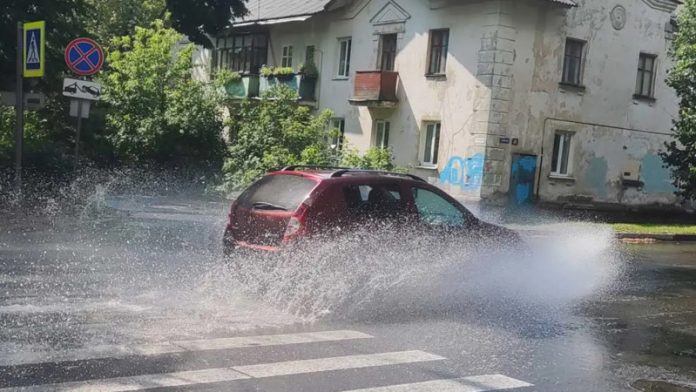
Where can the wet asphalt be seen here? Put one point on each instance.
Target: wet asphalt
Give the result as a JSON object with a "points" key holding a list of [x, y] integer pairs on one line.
{"points": [[83, 299]]}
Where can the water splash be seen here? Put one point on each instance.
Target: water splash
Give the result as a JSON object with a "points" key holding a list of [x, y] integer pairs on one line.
{"points": [[411, 274]]}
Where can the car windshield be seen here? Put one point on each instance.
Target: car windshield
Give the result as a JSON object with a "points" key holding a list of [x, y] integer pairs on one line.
{"points": [[279, 192]]}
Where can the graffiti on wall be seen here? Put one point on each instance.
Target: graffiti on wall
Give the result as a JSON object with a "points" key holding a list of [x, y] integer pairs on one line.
{"points": [[466, 173]]}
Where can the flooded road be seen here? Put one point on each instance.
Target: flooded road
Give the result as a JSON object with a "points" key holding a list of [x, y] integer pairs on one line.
{"points": [[134, 294]]}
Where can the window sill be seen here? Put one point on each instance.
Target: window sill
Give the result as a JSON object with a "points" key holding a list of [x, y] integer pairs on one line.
{"points": [[557, 177], [644, 98], [339, 78], [572, 87], [436, 77], [427, 167]]}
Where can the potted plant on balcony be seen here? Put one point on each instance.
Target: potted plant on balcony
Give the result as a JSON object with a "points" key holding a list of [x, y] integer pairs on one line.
{"points": [[278, 75], [308, 83]]}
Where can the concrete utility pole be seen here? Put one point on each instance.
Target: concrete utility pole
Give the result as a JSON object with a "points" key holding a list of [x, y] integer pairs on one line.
{"points": [[19, 108]]}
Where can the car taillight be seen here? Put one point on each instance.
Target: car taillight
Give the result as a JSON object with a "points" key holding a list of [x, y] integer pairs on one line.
{"points": [[296, 224]]}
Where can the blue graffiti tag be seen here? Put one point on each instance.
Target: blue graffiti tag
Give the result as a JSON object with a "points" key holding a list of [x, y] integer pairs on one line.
{"points": [[465, 173]]}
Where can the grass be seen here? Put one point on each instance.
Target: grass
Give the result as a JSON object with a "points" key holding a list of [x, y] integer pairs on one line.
{"points": [[651, 228]]}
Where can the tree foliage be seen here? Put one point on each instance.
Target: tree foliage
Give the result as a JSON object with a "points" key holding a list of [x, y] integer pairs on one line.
{"points": [[273, 133], [680, 155], [115, 18], [64, 22], [199, 19], [156, 111]]}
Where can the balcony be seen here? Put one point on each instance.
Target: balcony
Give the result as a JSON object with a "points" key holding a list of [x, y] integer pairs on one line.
{"points": [[304, 86], [247, 86], [375, 89]]}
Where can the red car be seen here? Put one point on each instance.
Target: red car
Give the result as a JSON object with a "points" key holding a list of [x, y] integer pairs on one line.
{"points": [[303, 202]]}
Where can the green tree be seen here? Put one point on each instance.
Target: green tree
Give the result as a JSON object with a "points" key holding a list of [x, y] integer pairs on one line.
{"points": [[272, 133], [680, 155], [156, 111], [199, 19], [115, 18]]}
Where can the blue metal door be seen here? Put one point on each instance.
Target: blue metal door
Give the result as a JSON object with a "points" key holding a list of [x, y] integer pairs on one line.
{"points": [[522, 178]]}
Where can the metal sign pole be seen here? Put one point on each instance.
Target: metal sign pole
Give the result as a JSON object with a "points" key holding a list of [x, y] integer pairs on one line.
{"points": [[77, 135], [19, 108]]}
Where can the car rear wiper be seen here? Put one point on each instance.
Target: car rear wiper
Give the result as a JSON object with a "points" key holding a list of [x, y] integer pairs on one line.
{"points": [[262, 205]]}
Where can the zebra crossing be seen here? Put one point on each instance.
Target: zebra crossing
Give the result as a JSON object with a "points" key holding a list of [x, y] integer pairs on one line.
{"points": [[229, 376]]}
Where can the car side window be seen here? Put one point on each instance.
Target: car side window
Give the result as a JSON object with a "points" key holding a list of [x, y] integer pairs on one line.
{"points": [[373, 201], [435, 210]]}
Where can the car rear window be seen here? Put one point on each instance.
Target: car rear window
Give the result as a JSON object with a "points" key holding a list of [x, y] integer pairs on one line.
{"points": [[285, 191]]}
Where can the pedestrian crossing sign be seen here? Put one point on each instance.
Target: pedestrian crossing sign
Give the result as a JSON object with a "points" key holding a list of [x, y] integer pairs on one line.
{"points": [[34, 42]]}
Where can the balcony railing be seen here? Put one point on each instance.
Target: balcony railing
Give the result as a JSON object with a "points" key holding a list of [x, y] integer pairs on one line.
{"points": [[304, 86], [375, 88], [245, 87]]}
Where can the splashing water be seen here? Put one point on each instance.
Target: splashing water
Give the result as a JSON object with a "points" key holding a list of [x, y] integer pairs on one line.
{"points": [[414, 274], [118, 265]]}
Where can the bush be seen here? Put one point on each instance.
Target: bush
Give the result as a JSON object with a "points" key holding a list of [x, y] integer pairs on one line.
{"points": [[271, 133], [156, 111]]}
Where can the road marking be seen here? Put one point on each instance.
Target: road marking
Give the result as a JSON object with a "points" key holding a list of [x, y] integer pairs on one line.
{"points": [[107, 352], [270, 340], [336, 363], [234, 373], [491, 382], [137, 383]]}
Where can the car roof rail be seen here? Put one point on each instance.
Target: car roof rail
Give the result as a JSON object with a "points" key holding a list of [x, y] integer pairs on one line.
{"points": [[340, 173], [314, 167]]}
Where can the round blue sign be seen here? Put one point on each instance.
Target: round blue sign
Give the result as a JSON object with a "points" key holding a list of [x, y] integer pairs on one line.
{"points": [[84, 56]]}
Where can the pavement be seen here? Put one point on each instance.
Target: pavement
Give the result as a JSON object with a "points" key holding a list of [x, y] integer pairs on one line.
{"points": [[140, 299]]}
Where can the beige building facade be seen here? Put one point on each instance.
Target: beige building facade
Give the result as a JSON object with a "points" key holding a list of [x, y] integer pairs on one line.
{"points": [[511, 101]]}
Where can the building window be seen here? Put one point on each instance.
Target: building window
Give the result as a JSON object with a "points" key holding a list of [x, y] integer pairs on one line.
{"points": [[572, 63], [645, 82], [387, 44], [286, 59], [344, 45], [244, 53], [431, 144], [337, 132], [309, 54], [437, 56], [382, 134], [560, 162]]}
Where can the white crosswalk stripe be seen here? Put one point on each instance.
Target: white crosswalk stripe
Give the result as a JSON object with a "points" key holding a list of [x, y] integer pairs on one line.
{"points": [[484, 383], [388, 360], [136, 383], [197, 345]]}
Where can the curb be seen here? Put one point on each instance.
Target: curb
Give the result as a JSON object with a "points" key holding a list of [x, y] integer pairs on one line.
{"points": [[641, 238]]}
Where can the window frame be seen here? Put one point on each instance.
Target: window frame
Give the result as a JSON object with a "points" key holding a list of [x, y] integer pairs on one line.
{"points": [[580, 62], [387, 55], [337, 140], [245, 59], [343, 64], [566, 140], [286, 56], [640, 76], [383, 140], [310, 54], [443, 53], [434, 144]]}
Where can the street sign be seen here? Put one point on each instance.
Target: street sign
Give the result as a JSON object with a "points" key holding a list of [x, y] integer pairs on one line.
{"points": [[33, 53], [76, 88], [75, 110], [84, 56], [32, 101]]}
